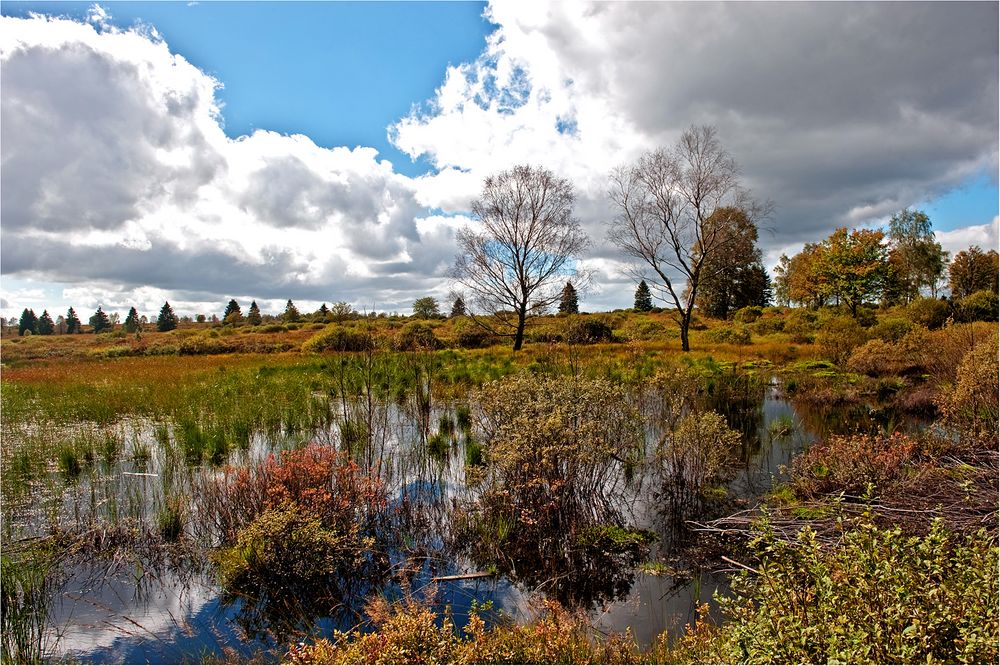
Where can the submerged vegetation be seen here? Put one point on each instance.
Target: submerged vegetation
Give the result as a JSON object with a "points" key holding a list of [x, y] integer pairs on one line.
{"points": [[317, 483]]}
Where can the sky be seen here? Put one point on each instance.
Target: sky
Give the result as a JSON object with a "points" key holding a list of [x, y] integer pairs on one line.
{"points": [[329, 152]]}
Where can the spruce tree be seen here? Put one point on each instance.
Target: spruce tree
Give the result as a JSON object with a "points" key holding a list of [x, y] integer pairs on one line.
{"points": [[458, 307], [72, 322], [233, 314], [45, 324], [28, 322], [643, 298], [567, 302], [322, 313], [291, 313], [253, 314], [132, 324], [167, 321], [99, 321]]}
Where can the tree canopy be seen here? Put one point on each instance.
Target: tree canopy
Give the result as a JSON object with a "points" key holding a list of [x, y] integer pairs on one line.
{"points": [[132, 324], [851, 267], [973, 270], [523, 244], [72, 321], [167, 321], [28, 323], [232, 314], [253, 314], [426, 308], [45, 324], [568, 301], [99, 321], [291, 313], [734, 278], [666, 221], [916, 258], [643, 298]]}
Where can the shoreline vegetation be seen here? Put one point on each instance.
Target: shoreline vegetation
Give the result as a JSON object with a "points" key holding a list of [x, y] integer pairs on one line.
{"points": [[876, 544]]}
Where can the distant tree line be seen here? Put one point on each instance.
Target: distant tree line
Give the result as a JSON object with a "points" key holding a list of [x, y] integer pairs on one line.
{"points": [[872, 266], [167, 320]]}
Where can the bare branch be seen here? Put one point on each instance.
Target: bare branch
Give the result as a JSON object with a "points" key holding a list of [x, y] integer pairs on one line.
{"points": [[526, 245]]}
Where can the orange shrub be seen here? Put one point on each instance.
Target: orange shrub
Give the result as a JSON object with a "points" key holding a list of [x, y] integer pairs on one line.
{"points": [[851, 463]]}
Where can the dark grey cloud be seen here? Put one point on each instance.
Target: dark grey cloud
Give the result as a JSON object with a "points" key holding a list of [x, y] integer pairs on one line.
{"points": [[80, 131], [827, 106], [839, 113]]}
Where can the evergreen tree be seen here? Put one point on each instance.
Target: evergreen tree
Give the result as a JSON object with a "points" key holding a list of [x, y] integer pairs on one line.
{"points": [[99, 321], [132, 324], [731, 278], [167, 321], [45, 324], [643, 298], [28, 322], [253, 314], [233, 314], [567, 302], [291, 313], [72, 321], [458, 307], [322, 313]]}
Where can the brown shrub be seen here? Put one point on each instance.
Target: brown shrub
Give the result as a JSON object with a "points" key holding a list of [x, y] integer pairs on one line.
{"points": [[851, 463]]}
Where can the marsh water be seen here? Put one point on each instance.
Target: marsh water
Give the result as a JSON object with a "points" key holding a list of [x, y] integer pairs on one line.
{"points": [[169, 608]]}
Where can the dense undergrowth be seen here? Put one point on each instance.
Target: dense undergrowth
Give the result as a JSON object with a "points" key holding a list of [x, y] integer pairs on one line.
{"points": [[878, 596]]}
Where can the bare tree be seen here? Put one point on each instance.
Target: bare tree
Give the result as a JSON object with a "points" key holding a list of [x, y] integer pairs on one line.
{"points": [[665, 203], [523, 250]]}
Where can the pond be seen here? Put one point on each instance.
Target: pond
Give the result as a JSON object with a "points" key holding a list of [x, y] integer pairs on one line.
{"points": [[169, 607]]}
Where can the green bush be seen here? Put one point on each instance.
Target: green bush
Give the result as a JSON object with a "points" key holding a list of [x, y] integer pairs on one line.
{"points": [[928, 312], [644, 329], [286, 549], [839, 337], [877, 597], [891, 329], [769, 323], [748, 315], [801, 324], [980, 306], [469, 335], [587, 331], [340, 339], [692, 456], [866, 316], [733, 335], [416, 336]]}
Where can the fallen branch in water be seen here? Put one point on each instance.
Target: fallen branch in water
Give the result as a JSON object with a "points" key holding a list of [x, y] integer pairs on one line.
{"points": [[468, 576]]}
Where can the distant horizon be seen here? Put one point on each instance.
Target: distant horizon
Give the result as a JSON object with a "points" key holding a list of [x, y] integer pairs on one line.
{"points": [[327, 152]]}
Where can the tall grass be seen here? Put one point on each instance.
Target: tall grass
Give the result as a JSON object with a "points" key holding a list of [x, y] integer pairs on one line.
{"points": [[26, 597]]}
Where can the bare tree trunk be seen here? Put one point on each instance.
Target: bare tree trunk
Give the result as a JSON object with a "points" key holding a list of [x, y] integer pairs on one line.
{"points": [[685, 325], [522, 314]]}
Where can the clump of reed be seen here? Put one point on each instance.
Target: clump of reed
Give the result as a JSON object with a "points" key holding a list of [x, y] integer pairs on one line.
{"points": [[26, 597]]}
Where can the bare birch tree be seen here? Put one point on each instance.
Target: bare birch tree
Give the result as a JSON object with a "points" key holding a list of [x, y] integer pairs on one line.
{"points": [[665, 203], [522, 251]]}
